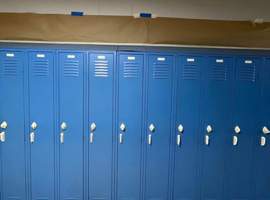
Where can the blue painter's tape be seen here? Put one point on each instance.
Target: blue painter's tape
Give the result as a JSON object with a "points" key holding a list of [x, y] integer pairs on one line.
{"points": [[76, 13], [146, 15]]}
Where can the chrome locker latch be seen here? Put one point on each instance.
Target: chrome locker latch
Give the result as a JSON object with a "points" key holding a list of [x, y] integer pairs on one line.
{"points": [[209, 130], [235, 140], [32, 134], [237, 129], [2, 136], [263, 141], [34, 125], [150, 139], [4, 125], [265, 130], [152, 129], [206, 140], [93, 127], [63, 127], [62, 137], [121, 135], [180, 129], [32, 137], [122, 127], [121, 138], [91, 137], [178, 140]]}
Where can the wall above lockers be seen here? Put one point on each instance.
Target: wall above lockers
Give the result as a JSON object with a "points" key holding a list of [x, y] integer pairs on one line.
{"points": [[193, 9], [177, 22]]}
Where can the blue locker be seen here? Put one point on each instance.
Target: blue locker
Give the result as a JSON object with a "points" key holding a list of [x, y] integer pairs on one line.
{"points": [[70, 136], [216, 115], [158, 134], [185, 140], [129, 134], [101, 107], [261, 174], [239, 184], [12, 125], [41, 126]]}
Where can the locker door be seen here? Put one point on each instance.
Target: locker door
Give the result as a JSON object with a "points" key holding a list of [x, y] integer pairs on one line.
{"points": [[130, 125], [101, 102], [187, 127], [215, 115], [41, 135], [246, 95], [12, 125], [71, 66], [261, 172], [159, 109]]}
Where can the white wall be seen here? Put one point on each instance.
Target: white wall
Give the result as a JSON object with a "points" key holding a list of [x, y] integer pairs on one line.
{"points": [[198, 9]]}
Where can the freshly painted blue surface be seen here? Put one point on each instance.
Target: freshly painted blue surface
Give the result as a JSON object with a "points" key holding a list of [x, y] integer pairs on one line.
{"points": [[246, 91], [159, 109], [130, 112], [71, 70], [261, 174], [101, 107], [186, 161], [12, 111], [52, 84], [41, 110], [216, 104]]}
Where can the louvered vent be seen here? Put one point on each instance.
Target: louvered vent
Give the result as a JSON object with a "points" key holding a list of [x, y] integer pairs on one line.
{"points": [[247, 72], [190, 72], [10, 67], [160, 69], [40, 68], [71, 68], [101, 68], [218, 72], [131, 69]]}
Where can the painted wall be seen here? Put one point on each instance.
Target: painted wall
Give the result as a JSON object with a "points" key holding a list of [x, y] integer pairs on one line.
{"points": [[196, 9]]}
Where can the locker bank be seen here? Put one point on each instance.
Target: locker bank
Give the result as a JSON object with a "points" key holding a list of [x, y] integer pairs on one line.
{"points": [[134, 123]]}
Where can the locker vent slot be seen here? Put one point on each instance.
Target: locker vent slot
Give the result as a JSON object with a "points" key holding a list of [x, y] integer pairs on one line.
{"points": [[218, 72], [131, 70], [40, 68], [247, 73], [71, 68], [101, 68], [160, 71], [190, 72], [10, 67]]}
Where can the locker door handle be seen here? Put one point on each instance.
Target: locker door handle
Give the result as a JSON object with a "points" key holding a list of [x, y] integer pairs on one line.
{"points": [[32, 137], [2, 136], [121, 138], [265, 130], [235, 140], [263, 141], [62, 137], [34, 125], [150, 139], [178, 142], [122, 129], [91, 138], [206, 140], [4, 125]]}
